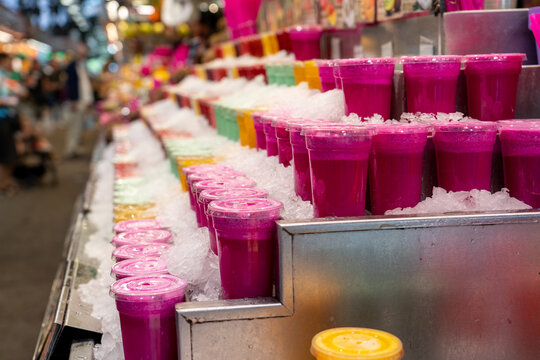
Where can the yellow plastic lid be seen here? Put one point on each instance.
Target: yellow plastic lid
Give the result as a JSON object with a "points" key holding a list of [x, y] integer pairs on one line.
{"points": [[357, 344]]}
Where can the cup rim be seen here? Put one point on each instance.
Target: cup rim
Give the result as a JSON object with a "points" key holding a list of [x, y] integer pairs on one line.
{"points": [[266, 209], [503, 57], [432, 59], [465, 126]]}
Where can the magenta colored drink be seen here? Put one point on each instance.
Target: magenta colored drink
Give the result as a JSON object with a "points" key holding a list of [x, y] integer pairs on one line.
{"points": [[136, 225], [306, 42], [139, 266], [246, 236], [326, 73], [207, 175], [270, 134], [142, 237], [260, 137], [367, 85], [283, 141], [464, 152], [139, 251], [238, 182], [337, 77], [147, 315], [431, 83], [395, 169], [338, 158], [492, 82], [207, 196], [520, 142]]}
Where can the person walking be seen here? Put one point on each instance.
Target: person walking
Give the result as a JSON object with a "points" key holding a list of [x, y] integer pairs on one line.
{"points": [[81, 98]]}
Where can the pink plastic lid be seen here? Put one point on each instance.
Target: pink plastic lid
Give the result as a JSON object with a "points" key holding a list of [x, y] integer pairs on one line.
{"points": [[135, 225], [142, 237], [149, 288], [135, 251], [250, 208], [206, 167], [139, 266], [196, 177], [209, 195], [240, 182]]}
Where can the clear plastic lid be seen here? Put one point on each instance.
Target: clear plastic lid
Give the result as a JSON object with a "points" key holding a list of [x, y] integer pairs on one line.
{"points": [[280, 122], [139, 266], [135, 251], [149, 288], [136, 225], [336, 130], [403, 128], [524, 131], [258, 117], [206, 167], [465, 126], [298, 124], [366, 61], [209, 195], [356, 344], [142, 237], [495, 57], [431, 59], [240, 182], [245, 208]]}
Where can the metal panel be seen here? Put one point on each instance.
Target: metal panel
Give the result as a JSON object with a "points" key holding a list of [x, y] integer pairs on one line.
{"points": [[451, 287]]}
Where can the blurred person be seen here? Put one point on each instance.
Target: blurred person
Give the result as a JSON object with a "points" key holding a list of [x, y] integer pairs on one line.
{"points": [[35, 101], [80, 96], [53, 83]]}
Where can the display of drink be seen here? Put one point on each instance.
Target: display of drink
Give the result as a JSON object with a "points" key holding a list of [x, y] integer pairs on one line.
{"points": [[142, 237], [326, 74], [306, 42], [492, 82], [283, 141], [207, 196], [464, 154], [246, 235], [395, 168], [431, 83], [338, 158], [147, 315], [139, 267], [137, 225], [270, 134], [259, 130], [356, 344], [198, 187], [302, 177], [188, 170], [367, 85], [520, 142], [207, 175], [135, 251]]}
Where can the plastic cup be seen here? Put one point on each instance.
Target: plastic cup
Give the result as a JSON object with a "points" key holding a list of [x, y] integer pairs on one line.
{"points": [[326, 74], [492, 82], [312, 75], [338, 158], [356, 344], [259, 130], [283, 141], [135, 251], [188, 170], [302, 177], [270, 134], [207, 196], [431, 83], [137, 225], [147, 315], [210, 174], [367, 85], [395, 169], [337, 77], [142, 237], [520, 142], [139, 267], [299, 71], [246, 235], [464, 154], [306, 42], [239, 182]]}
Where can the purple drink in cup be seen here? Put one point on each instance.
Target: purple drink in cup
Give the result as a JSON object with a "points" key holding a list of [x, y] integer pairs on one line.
{"points": [[260, 137], [337, 77], [492, 82], [136, 225], [520, 141], [270, 134], [395, 169], [147, 315], [306, 42], [326, 73], [142, 237], [283, 141], [338, 158], [431, 83], [207, 196], [464, 154], [135, 251], [246, 236], [367, 85], [239, 182], [199, 176], [139, 267]]}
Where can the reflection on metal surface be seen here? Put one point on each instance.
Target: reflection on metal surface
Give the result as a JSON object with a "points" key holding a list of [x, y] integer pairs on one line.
{"points": [[82, 350], [461, 286]]}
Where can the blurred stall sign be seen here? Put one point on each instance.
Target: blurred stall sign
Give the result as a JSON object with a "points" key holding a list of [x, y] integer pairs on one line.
{"points": [[395, 9]]}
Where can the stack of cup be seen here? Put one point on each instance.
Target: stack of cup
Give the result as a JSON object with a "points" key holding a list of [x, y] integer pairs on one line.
{"points": [[246, 238], [150, 236], [338, 158], [326, 74], [283, 141], [464, 152], [520, 141], [139, 267], [135, 251], [367, 85]]}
